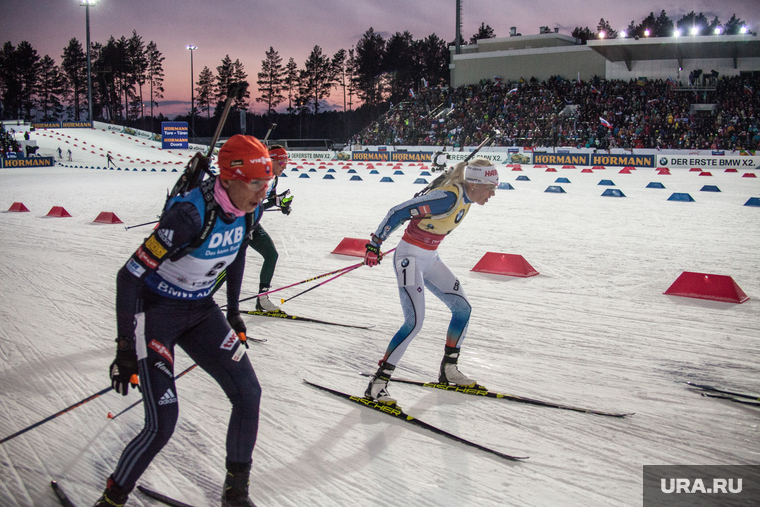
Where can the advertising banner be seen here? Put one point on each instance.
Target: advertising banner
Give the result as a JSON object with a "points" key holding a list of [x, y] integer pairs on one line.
{"points": [[174, 134], [62, 124], [709, 162], [592, 159], [46, 125], [76, 124], [28, 162]]}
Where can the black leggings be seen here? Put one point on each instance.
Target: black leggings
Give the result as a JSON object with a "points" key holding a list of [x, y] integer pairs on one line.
{"points": [[202, 331]]}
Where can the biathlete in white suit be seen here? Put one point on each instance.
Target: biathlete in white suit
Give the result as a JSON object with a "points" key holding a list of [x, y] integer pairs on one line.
{"points": [[431, 217]]}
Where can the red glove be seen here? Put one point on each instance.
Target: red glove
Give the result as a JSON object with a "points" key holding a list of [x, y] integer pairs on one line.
{"points": [[373, 256]]}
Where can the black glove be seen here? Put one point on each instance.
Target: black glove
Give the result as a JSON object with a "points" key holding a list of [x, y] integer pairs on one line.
{"points": [[236, 321], [124, 366], [237, 324]]}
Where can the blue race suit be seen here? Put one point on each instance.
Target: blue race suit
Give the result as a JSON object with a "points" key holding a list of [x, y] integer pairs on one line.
{"points": [[162, 300]]}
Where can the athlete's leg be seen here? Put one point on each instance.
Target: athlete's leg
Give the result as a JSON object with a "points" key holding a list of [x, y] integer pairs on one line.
{"points": [[409, 276], [213, 345], [445, 286], [155, 353], [263, 244]]}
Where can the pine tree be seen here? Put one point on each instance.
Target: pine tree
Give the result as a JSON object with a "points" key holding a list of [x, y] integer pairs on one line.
{"points": [[74, 67], [239, 76], [290, 82], [484, 32], [26, 63], [11, 84], [138, 66], [205, 91], [155, 76], [271, 81], [317, 78], [223, 82], [370, 51], [50, 89]]}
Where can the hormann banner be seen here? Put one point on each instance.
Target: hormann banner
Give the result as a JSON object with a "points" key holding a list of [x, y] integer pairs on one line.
{"points": [[76, 124], [591, 159], [391, 156], [28, 162], [174, 134], [46, 125], [710, 162], [62, 124]]}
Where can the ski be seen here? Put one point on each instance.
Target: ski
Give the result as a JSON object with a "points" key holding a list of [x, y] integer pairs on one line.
{"points": [[162, 498], [752, 397], [65, 501], [732, 398], [283, 315], [395, 411], [482, 391]]}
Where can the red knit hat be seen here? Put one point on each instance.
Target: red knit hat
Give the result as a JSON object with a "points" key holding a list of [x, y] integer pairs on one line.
{"points": [[279, 154], [244, 158]]}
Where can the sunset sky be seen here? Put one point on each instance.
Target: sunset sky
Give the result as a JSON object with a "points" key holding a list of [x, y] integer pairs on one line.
{"points": [[245, 29]]}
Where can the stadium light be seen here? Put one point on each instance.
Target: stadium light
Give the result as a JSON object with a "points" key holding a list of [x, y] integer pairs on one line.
{"points": [[695, 30], [623, 34], [192, 96], [717, 30], [743, 29], [87, 4], [601, 34], [646, 32], [677, 33]]}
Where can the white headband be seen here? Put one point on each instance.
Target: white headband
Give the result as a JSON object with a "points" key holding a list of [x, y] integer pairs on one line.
{"points": [[481, 174]]}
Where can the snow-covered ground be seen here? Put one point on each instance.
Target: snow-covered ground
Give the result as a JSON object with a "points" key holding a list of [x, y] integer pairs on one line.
{"points": [[593, 329]]}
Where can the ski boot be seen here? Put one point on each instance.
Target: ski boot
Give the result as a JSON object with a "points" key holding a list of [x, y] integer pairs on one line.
{"points": [[377, 389], [450, 373], [113, 496], [235, 492], [263, 304]]}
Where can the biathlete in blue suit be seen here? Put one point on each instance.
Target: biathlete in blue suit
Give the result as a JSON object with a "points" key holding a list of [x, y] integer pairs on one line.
{"points": [[431, 217], [163, 299]]}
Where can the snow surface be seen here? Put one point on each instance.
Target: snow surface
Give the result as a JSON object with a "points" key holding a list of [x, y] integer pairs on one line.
{"points": [[593, 329]]}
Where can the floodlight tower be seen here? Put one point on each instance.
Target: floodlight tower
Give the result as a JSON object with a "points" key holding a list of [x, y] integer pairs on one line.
{"points": [[192, 94], [86, 4], [459, 27]]}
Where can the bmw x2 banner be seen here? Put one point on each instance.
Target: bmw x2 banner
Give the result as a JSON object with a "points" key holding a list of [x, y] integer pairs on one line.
{"points": [[174, 134]]}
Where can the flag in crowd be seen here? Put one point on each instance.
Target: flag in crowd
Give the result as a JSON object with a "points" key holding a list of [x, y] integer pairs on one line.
{"points": [[605, 123], [513, 91], [411, 93], [748, 89], [594, 90], [424, 82], [671, 81]]}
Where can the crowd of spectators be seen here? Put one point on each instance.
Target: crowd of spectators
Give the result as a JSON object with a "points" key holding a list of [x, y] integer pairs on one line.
{"points": [[559, 112]]}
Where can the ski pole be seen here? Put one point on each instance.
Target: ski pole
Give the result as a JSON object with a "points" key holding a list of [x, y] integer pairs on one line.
{"points": [[303, 281], [67, 409], [350, 268], [133, 405], [140, 225]]}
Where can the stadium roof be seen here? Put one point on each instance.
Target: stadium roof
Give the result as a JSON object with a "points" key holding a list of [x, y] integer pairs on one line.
{"points": [[678, 48]]}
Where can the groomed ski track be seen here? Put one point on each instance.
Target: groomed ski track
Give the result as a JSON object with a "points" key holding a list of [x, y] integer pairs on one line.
{"points": [[593, 327]]}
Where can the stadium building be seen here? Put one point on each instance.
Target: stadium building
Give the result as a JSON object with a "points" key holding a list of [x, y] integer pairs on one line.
{"points": [[548, 54]]}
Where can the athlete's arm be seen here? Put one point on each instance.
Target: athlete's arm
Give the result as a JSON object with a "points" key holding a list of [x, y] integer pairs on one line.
{"points": [[433, 203], [179, 225]]}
